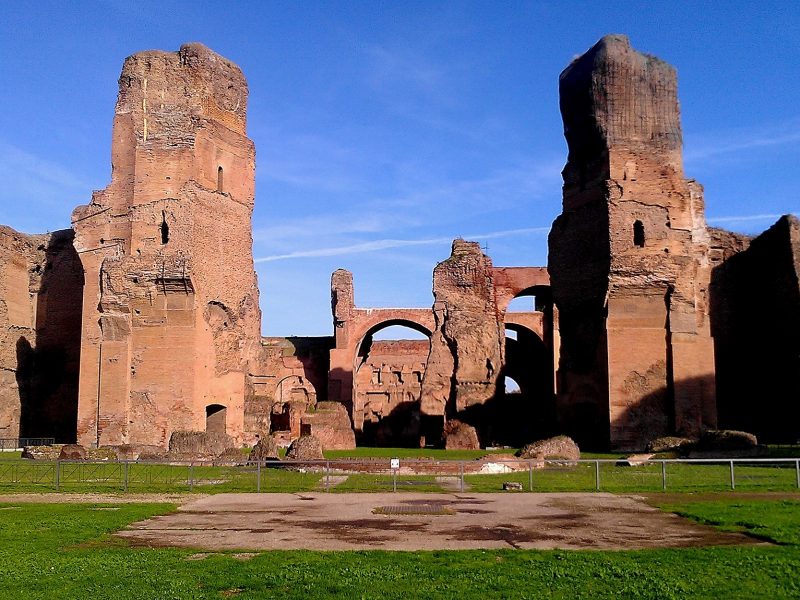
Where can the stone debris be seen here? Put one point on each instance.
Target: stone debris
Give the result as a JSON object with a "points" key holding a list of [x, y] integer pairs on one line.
{"points": [[634, 460], [671, 444], [265, 449], [460, 436], [560, 447], [306, 447]]}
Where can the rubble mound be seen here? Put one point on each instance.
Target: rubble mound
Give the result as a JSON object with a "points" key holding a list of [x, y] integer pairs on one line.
{"points": [[726, 439], [728, 443], [42, 452], [306, 447], [670, 443], [198, 444], [265, 449], [559, 447], [72, 452], [330, 423], [460, 436]]}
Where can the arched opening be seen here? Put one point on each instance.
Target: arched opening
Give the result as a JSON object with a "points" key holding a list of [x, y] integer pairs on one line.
{"points": [[638, 234], [220, 180], [216, 415], [511, 386], [390, 367], [294, 397], [524, 407], [520, 304], [164, 228]]}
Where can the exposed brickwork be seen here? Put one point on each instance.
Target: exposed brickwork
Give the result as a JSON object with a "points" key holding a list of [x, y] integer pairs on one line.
{"points": [[143, 319], [171, 318], [629, 256], [41, 285]]}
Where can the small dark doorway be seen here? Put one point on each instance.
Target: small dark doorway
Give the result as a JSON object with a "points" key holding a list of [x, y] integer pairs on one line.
{"points": [[638, 234], [219, 180], [215, 418], [164, 228]]}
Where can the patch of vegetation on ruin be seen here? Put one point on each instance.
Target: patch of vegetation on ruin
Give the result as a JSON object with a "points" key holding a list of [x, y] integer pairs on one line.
{"points": [[66, 551]]}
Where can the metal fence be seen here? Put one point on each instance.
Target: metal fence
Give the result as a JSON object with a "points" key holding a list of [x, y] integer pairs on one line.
{"points": [[370, 475], [20, 443]]}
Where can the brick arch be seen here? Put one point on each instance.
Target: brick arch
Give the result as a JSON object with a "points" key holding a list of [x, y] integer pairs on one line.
{"points": [[513, 282], [351, 333], [416, 324]]}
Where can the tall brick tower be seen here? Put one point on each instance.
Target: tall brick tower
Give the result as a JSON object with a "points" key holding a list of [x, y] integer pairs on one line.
{"points": [[170, 315], [629, 257]]}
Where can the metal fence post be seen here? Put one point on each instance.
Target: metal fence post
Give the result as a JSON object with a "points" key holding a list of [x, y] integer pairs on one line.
{"points": [[191, 477], [126, 475], [530, 476], [797, 472], [733, 479], [597, 475], [58, 475], [663, 476], [394, 480], [461, 472], [258, 477], [328, 476]]}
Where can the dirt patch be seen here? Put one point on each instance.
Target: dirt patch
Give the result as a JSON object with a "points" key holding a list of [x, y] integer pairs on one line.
{"points": [[346, 522]]}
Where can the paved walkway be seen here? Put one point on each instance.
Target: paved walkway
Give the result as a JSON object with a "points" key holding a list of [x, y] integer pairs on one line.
{"points": [[414, 521]]}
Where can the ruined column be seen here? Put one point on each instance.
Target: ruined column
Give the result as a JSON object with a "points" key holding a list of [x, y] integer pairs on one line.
{"points": [[629, 256], [340, 378], [467, 345], [170, 316]]}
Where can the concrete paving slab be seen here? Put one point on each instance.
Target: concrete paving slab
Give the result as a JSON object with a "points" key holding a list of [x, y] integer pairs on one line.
{"points": [[320, 521]]}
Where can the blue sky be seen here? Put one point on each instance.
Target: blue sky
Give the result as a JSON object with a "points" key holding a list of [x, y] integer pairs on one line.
{"points": [[385, 129]]}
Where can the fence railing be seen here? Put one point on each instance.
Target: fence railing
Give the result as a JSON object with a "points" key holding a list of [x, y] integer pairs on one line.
{"points": [[357, 475], [20, 443]]}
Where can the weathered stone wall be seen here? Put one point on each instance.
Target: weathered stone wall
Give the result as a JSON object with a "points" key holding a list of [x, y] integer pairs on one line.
{"points": [[170, 314], [353, 331], [41, 284], [387, 392], [290, 378], [467, 344], [629, 257], [755, 297]]}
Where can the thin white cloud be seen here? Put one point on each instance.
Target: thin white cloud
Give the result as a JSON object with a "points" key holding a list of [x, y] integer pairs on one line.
{"points": [[385, 244], [746, 139], [28, 171], [744, 218]]}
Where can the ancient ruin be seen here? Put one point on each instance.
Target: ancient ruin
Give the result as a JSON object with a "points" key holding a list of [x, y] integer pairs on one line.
{"points": [[141, 323]]}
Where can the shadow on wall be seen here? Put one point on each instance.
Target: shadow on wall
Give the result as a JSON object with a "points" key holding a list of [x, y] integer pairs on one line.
{"points": [[651, 417], [399, 429], [48, 373], [755, 321]]}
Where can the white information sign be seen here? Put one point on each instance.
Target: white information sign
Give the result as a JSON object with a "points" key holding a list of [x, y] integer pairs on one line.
{"points": [[395, 463]]}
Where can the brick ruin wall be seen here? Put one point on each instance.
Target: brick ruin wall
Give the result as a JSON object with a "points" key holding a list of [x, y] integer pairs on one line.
{"points": [[629, 256], [755, 319], [143, 319], [170, 311], [41, 287]]}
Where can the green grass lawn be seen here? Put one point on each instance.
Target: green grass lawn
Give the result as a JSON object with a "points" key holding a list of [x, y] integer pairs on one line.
{"points": [[59, 551], [19, 475]]}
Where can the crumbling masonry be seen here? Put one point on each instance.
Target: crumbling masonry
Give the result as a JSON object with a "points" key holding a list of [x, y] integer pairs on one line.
{"points": [[143, 319]]}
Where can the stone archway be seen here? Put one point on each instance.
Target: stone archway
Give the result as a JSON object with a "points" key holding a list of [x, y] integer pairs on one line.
{"points": [[387, 384]]}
